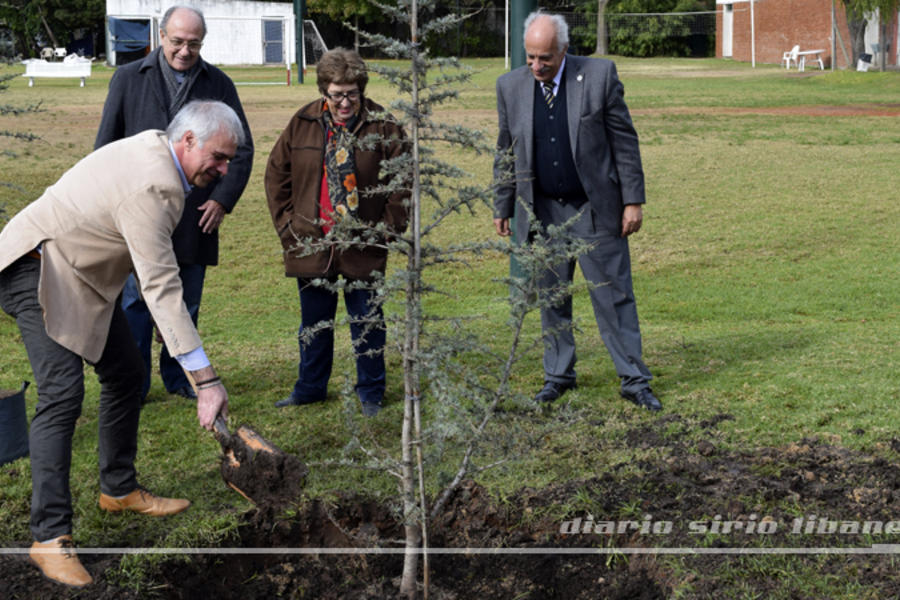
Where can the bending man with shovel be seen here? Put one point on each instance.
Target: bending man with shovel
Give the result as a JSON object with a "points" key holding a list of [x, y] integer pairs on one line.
{"points": [[63, 262]]}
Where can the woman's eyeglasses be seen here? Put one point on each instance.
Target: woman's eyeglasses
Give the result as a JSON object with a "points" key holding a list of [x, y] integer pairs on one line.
{"points": [[341, 96]]}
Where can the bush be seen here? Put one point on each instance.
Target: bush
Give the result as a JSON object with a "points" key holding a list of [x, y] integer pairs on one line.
{"points": [[658, 36]]}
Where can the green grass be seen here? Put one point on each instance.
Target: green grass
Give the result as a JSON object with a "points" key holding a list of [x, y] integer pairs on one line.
{"points": [[766, 276]]}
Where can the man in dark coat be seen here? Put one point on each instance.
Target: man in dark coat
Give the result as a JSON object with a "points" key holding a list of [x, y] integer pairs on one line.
{"points": [[147, 94]]}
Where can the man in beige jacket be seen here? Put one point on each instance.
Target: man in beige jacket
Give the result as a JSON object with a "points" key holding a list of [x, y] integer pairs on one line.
{"points": [[63, 262]]}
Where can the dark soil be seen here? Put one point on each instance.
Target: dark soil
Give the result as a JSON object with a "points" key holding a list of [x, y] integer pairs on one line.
{"points": [[259, 470], [807, 495]]}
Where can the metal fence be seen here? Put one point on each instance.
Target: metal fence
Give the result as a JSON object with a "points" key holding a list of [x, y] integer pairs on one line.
{"points": [[484, 34]]}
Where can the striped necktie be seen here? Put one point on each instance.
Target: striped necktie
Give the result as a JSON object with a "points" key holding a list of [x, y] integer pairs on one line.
{"points": [[548, 93]]}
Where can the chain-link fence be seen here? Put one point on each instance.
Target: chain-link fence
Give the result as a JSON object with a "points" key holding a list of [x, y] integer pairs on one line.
{"points": [[633, 34]]}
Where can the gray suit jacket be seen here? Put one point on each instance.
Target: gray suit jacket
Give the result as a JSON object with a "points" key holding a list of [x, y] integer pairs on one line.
{"points": [[604, 142], [114, 211]]}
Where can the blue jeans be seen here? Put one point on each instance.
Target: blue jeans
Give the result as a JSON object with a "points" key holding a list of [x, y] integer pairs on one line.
{"points": [[141, 323], [59, 374], [318, 304]]}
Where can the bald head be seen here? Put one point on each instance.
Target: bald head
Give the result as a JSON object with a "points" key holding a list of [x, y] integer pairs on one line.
{"points": [[546, 42], [181, 31]]}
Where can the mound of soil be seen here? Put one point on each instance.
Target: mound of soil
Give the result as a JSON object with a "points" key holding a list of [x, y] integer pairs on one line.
{"points": [[808, 495], [259, 470]]}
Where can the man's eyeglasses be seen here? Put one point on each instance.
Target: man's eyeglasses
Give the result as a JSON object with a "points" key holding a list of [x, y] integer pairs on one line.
{"points": [[178, 44], [341, 96]]}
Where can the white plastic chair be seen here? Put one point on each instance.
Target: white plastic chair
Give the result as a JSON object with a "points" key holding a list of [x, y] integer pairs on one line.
{"points": [[791, 56]]}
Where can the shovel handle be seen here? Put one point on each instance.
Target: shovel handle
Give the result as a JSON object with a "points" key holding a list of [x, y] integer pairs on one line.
{"points": [[221, 427]]}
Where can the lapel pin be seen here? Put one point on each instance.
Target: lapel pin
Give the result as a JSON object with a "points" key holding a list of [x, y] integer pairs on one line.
{"points": [[580, 77]]}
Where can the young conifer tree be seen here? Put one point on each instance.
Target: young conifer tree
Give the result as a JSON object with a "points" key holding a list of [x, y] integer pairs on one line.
{"points": [[10, 110], [455, 377]]}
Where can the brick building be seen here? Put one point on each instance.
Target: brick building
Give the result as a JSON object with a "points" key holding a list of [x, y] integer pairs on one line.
{"points": [[780, 24]]}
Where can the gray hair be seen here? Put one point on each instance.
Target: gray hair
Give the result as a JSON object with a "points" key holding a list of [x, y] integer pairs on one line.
{"points": [[206, 118], [167, 15], [559, 24]]}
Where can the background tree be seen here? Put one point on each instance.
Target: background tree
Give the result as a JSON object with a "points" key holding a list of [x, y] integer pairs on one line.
{"points": [[858, 12], [651, 35], [353, 11], [7, 153], [602, 47], [36, 23]]}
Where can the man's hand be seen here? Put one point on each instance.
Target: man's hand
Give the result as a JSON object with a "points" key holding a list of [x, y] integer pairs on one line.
{"points": [[502, 227], [632, 217], [210, 402], [212, 217], [212, 397]]}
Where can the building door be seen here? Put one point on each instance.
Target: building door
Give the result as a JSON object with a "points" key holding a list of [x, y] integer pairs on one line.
{"points": [[273, 41], [727, 30]]}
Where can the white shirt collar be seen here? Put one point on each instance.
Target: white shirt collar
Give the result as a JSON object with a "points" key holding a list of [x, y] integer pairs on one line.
{"points": [[558, 78]]}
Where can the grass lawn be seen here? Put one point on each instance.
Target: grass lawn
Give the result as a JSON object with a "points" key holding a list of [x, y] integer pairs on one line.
{"points": [[767, 276]]}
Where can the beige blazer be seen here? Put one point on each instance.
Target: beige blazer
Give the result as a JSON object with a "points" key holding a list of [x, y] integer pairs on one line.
{"points": [[113, 212]]}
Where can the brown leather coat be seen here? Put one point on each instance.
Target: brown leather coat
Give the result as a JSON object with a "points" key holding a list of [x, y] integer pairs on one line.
{"points": [[293, 181]]}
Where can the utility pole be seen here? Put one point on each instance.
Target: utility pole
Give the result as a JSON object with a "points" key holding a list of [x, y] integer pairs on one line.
{"points": [[519, 9], [299, 10]]}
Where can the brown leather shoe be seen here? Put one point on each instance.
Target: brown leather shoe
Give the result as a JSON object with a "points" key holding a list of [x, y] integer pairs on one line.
{"points": [[143, 502], [58, 561]]}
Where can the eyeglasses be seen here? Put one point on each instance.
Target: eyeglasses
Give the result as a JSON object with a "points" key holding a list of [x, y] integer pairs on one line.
{"points": [[339, 97], [178, 44]]}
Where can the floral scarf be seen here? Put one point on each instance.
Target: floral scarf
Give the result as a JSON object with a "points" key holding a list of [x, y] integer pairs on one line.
{"points": [[340, 172]]}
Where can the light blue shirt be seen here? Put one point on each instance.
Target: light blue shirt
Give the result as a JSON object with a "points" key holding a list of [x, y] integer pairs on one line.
{"points": [[184, 182], [195, 359]]}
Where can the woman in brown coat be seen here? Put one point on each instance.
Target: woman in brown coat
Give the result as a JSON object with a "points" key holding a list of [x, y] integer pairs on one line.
{"points": [[319, 175]]}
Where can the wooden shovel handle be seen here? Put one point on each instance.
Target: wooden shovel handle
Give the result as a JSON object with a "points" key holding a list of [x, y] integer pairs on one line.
{"points": [[221, 427]]}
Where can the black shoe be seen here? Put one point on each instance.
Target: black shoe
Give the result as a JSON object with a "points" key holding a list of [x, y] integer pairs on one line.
{"points": [[552, 390], [370, 409], [186, 392], [294, 401], [643, 398]]}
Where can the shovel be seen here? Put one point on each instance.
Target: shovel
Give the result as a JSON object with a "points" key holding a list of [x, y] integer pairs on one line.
{"points": [[255, 467]]}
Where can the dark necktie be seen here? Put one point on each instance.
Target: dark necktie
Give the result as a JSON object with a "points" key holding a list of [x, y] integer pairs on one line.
{"points": [[548, 93]]}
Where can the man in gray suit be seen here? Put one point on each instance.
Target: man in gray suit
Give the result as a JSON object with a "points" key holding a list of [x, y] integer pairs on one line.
{"points": [[577, 162]]}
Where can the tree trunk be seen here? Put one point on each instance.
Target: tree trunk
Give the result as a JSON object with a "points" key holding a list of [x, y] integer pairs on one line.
{"points": [[408, 492], [856, 24], [49, 32], [411, 343], [602, 47]]}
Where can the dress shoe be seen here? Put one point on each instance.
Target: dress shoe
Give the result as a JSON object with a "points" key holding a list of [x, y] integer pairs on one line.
{"points": [[552, 390], [370, 409], [295, 401], [58, 561], [186, 392], [643, 398], [143, 502]]}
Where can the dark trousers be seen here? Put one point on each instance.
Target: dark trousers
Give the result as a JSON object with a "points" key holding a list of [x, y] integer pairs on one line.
{"points": [[607, 269], [318, 307], [141, 323], [59, 374]]}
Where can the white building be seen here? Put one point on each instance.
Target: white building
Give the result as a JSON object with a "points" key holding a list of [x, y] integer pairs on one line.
{"points": [[238, 32]]}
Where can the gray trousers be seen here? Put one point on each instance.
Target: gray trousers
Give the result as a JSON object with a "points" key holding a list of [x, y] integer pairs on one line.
{"points": [[607, 269], [59, 374]]}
